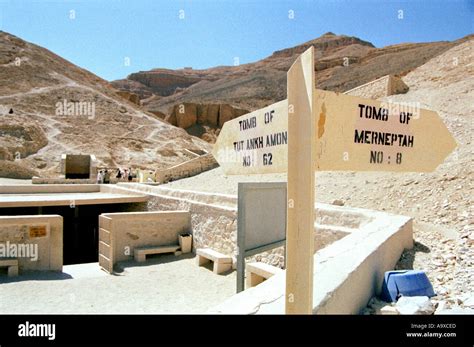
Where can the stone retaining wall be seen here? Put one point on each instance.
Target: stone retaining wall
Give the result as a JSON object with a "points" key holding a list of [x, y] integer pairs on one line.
{"points": [[189, 168], [214, 225], [383, 86], [347, 273], [120, 233]]}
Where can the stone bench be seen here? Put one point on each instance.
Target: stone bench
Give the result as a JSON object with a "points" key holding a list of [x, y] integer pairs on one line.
{"points": [[12, 264], [221, 262], [259, 272], [140, 253]]}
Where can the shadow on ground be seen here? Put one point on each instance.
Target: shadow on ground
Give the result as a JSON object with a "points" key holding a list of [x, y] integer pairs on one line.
{"points": [[156, 259], [35, 276], [408, 256], [151, 260]]}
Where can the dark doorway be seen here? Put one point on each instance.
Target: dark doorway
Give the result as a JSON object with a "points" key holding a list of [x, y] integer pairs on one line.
{"points": [[77, 166], [80, 227]]}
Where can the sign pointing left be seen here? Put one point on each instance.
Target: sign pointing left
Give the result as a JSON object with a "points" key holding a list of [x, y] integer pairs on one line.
{"points": [[256, 142]]}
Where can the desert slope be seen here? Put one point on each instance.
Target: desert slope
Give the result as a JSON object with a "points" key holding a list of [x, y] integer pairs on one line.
{"points": [[41, 116]]}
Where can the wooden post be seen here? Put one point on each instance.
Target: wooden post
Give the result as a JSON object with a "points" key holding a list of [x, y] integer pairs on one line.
{"points": [[301, 185]]}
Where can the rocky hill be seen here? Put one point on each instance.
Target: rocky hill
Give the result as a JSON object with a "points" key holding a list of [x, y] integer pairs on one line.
{"points": [[49, 106], [342, 62]]}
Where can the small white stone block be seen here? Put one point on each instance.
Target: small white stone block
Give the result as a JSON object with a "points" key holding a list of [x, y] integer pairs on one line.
{"points": [[259, 272], [222, 262]]}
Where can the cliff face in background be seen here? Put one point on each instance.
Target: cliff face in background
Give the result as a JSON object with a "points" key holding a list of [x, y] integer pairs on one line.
{"points": [[49, 106], [341, 63]]}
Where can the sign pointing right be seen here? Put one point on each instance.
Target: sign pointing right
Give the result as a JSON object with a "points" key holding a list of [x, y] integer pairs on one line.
{"points": [[359, 134]]}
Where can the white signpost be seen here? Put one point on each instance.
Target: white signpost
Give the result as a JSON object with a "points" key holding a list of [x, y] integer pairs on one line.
{"points": [[300, 185], [321, 130]]}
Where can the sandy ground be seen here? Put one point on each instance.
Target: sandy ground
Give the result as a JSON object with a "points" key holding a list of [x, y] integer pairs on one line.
{"points": [[164, 284]]}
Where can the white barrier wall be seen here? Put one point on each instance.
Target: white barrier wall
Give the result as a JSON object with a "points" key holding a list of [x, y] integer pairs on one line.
{"points": [[36, 241], [120, 233]]}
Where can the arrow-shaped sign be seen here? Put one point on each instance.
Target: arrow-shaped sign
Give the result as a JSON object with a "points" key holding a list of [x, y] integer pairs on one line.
{"points": [[353, 133]]}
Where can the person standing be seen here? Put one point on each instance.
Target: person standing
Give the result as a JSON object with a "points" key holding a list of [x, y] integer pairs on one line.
{"points": [[106, 177], [100, 177]]}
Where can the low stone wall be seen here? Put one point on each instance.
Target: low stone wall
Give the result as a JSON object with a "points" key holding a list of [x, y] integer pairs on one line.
{"points": [[214, 221], [120, 233], [189, 168], [36, 241], [213, 226], [59, 180], [354, 247], [347, 273], [383, 86], [49, 188]]}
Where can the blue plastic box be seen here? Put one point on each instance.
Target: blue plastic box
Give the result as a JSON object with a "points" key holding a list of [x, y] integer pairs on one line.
{"points": [[405, 283]]}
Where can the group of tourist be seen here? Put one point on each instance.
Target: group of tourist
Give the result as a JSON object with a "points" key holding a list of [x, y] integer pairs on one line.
{"points": [[103, 176]]}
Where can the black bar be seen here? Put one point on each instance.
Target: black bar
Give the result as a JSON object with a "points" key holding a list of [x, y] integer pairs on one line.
{"points": [[222, 329]]}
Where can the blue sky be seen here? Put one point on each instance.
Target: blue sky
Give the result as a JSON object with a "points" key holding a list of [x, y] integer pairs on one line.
{"points": [[152, 34]]}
